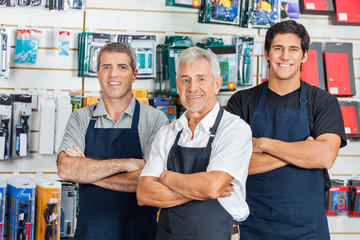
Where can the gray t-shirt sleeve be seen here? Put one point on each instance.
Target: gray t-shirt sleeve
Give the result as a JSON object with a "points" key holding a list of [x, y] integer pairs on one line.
{"points": [[74, 133], [159, 119]]}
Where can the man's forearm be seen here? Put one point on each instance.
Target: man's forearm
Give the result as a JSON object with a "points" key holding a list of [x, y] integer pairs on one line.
{"points": [[122, 182], [87, 170], [151, 192], [197, 186], [262, 162], [319, 153]]}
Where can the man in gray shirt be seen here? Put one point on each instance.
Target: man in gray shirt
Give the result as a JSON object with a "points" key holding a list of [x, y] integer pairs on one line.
{"points": [[104, 148]]}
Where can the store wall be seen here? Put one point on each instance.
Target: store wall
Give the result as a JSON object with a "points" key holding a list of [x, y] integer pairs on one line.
{"points": [[149, 17]]}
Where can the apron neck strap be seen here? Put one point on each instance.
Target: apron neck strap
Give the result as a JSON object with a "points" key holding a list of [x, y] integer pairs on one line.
{"points": [[135, 120], [214, 128]]}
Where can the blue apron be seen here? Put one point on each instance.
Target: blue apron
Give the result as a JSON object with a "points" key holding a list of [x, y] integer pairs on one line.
{"points": [[195, 220], [106, 214], [285, 203]]}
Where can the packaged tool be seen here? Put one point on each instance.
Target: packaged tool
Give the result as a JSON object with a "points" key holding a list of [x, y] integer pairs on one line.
{"points": [[4, 53], [337, 198], [145, 48], [227, 60], [48, 209], [5, 126], [21, 127], [21, 208], [245, 59], [290, 9], [27, 45], [62, 41], [350, 114], [222, 11], [69, 199], [354, 197], [66, 5], [263, 13], [2, 208]]}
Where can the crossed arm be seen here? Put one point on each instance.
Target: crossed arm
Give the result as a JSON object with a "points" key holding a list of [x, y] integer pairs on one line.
{"points": [[173, 189], [115, 174], [269, 154]]}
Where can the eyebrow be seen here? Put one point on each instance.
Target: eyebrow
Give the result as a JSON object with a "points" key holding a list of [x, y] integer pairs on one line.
{"points": [[283, 46], [119, 65], [198, 75]]}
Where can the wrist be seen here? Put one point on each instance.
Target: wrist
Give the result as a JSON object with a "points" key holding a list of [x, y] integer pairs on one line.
{"points": [[162, 176]]}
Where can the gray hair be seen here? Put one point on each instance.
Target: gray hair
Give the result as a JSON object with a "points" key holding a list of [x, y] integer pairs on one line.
{"points": [[194, 53], [121, 48]]}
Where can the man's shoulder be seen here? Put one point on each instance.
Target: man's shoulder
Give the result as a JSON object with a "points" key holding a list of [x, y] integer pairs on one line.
{"points": [[233, 122], [251, 92], [84, 113], [317, 94]]}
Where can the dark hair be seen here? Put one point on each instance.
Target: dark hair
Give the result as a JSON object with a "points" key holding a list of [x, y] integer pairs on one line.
{"points": [[289, 26], [121, 48]]}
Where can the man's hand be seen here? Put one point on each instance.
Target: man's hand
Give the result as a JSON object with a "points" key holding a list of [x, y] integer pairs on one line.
{"points": [[257, 145], [134, 164], [76, 152], [227, 192]]}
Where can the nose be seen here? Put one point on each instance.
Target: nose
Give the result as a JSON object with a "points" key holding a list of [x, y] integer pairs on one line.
{"points": [[193, 85], [114, 72], [285, 54]]}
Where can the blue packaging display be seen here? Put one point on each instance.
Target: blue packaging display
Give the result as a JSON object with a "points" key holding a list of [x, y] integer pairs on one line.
{"points": [[2, 208], [27, 45], [20, 208]]}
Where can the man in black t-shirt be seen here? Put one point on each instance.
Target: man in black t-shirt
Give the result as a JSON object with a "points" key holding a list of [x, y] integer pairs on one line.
{"points": [[297, 132]]}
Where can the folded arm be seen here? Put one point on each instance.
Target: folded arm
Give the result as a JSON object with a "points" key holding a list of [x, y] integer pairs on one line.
{"points": [[122, 182], [318, 153], [74, 166]]}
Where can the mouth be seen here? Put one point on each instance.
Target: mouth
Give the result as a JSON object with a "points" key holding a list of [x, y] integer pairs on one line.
{"points": [[114, 83], [284, 65]]}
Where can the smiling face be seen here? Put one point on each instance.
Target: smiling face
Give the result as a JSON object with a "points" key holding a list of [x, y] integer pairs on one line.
{"points": [[115, 75], [285, 57], [197, 88]]}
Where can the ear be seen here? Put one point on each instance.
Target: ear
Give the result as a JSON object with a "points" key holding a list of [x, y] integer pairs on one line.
{"points": [[304, 59], [135, 73], [217, 84], [266, 54]]}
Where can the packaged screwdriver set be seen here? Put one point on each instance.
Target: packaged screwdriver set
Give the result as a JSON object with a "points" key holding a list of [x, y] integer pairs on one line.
{"points": [[21, 126], [245, 59], [21, 208], [4, 53], [5, 126]]}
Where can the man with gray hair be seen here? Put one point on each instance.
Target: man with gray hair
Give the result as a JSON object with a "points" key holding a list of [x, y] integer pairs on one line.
{"points": [[103, 150], [198, 164]]}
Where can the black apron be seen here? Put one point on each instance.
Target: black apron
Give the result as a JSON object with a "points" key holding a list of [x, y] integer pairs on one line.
{"points": [[285, 203], [106, 214], [195, 220]]}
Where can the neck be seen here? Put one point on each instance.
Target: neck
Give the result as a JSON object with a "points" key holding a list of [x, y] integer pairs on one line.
{"points": [[195, 117], [116, 107], [283, 87]]}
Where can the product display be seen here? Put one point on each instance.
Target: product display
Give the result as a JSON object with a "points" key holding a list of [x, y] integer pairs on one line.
{"points": [[4, 53], [354, 197], [21, 208], [227, 55], [313, 69], [5, 126], [27, 44], [337, 198], [69, 194], [23, 3], [245, 59], [223, 11], [47, 125], [2, 208], [339, 65], [167, 106], [145, 47], [61, 41], [183, 3], [48, 206], [21, 125], [67, 5], [290, 9], [347, 13], [63, 111], [350, 113], [263, 13], [316, 7]]}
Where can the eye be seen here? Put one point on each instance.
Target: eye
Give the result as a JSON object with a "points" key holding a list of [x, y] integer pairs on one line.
{"points": [[106, 67], [277, 48], [202, 79]]}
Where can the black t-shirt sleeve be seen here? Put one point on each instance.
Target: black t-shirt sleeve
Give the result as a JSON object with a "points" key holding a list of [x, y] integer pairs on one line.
{"points": [[327, 117], [234, 105]]}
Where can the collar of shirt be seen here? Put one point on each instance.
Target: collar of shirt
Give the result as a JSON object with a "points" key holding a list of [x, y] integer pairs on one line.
{"points": [[206, 123], [101, 110]]}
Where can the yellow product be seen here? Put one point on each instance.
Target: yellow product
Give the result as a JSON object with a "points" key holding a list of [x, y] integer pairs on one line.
{"points": [[48, 207], [140, 93]]}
